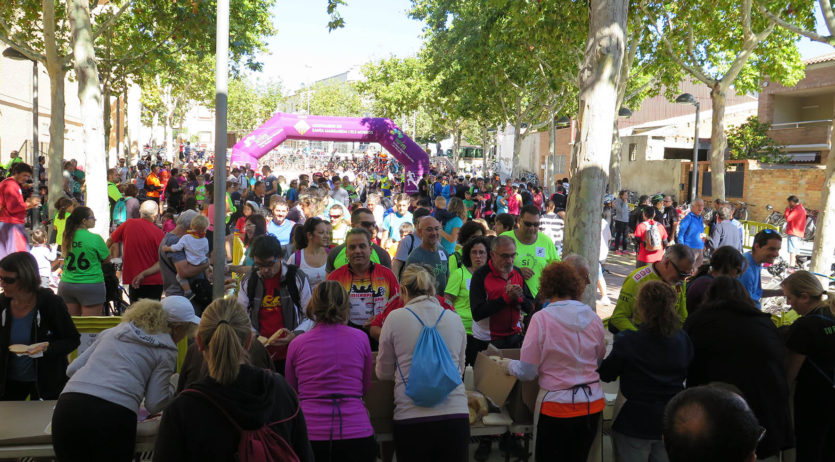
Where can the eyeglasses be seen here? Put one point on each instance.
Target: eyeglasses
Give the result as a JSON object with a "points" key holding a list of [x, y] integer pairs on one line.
{"points": [[762, 435], [507, 256], [8, 280], [257, 265], [681, 274], [336, 217], [531, 224], [368, 224]]}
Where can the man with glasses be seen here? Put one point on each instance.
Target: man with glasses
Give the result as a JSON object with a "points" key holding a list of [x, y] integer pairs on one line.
{"points": [[499, 297], [766, 249], [360, 218], [275, 295], [534, 249], [673, 269]]}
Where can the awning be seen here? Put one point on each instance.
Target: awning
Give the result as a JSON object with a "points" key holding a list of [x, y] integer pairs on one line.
{"points": [[803, 156]]}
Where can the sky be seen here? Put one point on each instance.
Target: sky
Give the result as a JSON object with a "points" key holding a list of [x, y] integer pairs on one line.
{"points": [[304, 51]]}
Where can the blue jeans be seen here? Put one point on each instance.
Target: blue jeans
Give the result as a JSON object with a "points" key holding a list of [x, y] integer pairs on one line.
{"points": [[631, 449]]}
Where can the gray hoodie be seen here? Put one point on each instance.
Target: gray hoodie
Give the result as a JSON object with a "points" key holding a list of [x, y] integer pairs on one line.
{"points": [[125, 364]]}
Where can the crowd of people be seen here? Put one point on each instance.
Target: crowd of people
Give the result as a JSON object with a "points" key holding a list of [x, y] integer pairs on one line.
{"points": [[320, 266]]}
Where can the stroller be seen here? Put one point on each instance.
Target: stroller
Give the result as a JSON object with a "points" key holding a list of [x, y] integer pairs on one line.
{"points": [[114, 304]]}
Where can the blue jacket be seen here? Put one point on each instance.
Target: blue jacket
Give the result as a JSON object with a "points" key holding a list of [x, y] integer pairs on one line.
{"points": [[690, 230]]}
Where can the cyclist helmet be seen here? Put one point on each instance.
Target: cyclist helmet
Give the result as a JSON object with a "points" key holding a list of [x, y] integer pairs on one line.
{"points": [[608, 199]]}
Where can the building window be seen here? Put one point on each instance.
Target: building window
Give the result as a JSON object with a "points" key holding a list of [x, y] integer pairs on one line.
{"points": [[559, 165], [633, 152]]}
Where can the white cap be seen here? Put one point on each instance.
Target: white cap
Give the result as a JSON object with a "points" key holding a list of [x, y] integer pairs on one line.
{"points": [[179, 309]]}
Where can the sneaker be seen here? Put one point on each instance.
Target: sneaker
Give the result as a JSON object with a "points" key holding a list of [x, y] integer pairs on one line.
{"points": [[512, 446], [629, 252], [618, 252], [482, 453]]}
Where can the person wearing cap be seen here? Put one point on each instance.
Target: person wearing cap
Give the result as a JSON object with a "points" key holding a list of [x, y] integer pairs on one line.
{"points": [[125, 365], [173, 264]]}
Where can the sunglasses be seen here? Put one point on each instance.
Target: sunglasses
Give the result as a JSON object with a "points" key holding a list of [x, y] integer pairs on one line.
{"points": [[336, 217], [531, 224], [368, 224], [8, 280], [681, 274], [257, 265]]}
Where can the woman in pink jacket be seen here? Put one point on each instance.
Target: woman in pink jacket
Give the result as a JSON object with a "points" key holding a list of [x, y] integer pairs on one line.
{"points": [[563, 347]]}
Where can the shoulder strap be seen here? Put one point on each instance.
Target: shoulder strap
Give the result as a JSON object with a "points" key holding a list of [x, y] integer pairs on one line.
{"points": [[298, 257], [292, 288], [411, 242], [418, 317]]}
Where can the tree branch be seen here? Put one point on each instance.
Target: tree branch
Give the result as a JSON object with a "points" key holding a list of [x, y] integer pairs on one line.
{"points": [[104, 27], [811, 35], [27, 51], [695, 72], [746, 19]]}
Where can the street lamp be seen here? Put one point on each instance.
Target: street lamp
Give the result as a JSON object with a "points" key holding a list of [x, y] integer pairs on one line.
{"points": [[11, 53], [687, 98]]}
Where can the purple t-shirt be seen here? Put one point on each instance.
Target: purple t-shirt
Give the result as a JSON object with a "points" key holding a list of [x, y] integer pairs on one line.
{"points": [[328, 360]]}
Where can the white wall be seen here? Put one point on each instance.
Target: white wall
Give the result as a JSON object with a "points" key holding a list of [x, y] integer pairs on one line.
{"points": [[16, 110]]}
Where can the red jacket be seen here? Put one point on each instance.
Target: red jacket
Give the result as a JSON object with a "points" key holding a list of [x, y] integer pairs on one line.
{"points": [[489, 300], [11, 200], [795, 220]]}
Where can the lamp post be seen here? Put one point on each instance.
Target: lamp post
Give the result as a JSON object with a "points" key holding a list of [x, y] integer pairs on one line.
{"points": [[687, 98], [11, 53]]}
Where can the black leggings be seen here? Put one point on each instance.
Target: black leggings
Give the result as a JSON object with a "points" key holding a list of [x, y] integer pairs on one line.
{"points": [[621, 234], [565, 439], [353, 450], [436, 441], [19, 391], [87, 428]]}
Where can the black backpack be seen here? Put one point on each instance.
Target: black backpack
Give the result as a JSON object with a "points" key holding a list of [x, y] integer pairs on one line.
{"points": [[291, 288]]}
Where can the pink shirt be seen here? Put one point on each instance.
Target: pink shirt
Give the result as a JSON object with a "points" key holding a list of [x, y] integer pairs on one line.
{"points": [[565, 342], [795, 220], [328, 360]]}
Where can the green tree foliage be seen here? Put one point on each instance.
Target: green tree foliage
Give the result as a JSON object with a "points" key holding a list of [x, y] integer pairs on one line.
{"points": [[332, 99], [250, 104], [750, 140]]}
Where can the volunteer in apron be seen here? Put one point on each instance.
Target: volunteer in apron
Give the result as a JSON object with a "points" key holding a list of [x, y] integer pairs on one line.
{"points": [[562, 348]]}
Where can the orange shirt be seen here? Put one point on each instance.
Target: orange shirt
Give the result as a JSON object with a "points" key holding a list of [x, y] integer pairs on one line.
{"points": [[153, 180]]}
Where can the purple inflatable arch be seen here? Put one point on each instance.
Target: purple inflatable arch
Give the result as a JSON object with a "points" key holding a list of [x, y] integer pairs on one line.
{"points": [[284, 126]]}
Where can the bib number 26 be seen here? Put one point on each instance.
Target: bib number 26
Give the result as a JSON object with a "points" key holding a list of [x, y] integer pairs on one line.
{"points": [[79, 262]]}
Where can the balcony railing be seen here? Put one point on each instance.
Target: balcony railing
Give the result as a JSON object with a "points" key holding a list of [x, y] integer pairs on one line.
{"points": [[812, 132]]}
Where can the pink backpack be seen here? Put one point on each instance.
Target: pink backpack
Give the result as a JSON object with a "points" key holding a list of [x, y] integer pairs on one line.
{"points": [[259, 445]]}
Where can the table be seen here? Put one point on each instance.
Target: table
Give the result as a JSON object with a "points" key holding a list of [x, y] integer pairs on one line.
{"points": [[25, 430]]}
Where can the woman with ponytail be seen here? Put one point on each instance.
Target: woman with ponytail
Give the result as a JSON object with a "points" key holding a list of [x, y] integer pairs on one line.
{"points": [[202, 422], [330, 367], [82, 281]]}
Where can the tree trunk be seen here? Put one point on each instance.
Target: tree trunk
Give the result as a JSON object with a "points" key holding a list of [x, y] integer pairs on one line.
{"points": [[485, 149], [825, 231], [107, 113], [54, 67], [517, 140], [599, 78], [718, 142], [550, 171], [614, 159], [456, 145], [89, 95]]}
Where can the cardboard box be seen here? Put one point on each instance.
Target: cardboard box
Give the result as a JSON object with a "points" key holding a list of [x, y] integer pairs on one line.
{"points": [[380, 402], [491, 379], [505, 390]]}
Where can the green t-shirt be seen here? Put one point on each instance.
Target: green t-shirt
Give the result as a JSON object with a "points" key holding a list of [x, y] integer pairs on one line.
{"points": [[200, 193], [113, 192], [458, 286], [625, 316], [535, 256], [60, 224], [82, 264], [470, 206]]}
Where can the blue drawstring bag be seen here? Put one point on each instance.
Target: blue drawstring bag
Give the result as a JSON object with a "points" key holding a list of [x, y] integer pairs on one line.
{"points": [[433, 374]]}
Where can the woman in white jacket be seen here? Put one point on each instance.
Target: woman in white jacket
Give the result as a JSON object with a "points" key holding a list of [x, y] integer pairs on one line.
{"points": [[422, 434], [95, 418]]}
